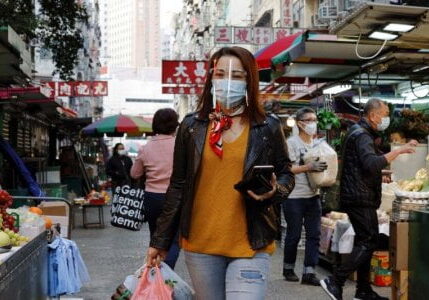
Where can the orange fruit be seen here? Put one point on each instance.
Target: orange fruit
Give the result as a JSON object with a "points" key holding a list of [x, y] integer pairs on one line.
{"points": [[36, 210], [48, 222]]}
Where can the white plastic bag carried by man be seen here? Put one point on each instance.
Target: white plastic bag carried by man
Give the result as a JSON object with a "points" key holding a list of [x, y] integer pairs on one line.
{"points": [[323, 152]]}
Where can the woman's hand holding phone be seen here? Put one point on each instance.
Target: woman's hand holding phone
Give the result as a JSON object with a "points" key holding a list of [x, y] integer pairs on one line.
{"points": [[266, 195]]}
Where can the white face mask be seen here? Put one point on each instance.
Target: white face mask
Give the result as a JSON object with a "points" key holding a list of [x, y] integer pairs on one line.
{"points": [[310, 128], [385, 122], [231, 97], [122, 152]]}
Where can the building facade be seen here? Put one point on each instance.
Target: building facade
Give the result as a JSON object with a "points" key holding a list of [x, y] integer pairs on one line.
{"points": [[131, 33], [87, 68]]}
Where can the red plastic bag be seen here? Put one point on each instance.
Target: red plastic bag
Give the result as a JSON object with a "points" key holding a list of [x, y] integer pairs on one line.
{"points": [[152, 287]]}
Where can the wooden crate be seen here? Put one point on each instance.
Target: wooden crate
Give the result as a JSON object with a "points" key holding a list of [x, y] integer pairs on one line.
{"points": [[399, 285]]}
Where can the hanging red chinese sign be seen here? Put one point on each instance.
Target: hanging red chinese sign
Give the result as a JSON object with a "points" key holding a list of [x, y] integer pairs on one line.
{"points": [[183, 76], [77, 88]]}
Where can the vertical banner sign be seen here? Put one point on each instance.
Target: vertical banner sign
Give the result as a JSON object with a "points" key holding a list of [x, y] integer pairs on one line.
{"points": [[286, 13]]}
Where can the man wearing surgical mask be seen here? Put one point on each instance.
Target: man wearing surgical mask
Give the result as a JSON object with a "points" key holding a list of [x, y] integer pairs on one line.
{"points": [[360, 197], [303, 205]]}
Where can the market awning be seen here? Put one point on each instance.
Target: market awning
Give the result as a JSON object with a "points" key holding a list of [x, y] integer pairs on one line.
{"points": [[263, 57], [36, 100], [399, 65], [374, 16], [322, 57], [30, 94], [318, 57]]}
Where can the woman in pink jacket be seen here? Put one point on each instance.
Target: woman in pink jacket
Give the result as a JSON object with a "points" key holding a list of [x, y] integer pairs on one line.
{"points": [[155, 162]]}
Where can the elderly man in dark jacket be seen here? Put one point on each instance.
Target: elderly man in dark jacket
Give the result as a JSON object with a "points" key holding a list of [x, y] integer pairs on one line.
{"points": [[360, 197]]}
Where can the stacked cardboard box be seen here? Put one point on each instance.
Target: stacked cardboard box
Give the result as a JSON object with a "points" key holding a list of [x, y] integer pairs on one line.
{"points": [[58, 212], [398, 241]]}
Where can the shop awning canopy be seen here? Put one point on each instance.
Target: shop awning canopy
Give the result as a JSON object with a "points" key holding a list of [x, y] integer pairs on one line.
{"points": [[36, 100], [370, 17], [399, 65], [319, 57], [30, 94], [263, 56]]}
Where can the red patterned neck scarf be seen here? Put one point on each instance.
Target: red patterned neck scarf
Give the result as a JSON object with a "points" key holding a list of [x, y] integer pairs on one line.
{"points": [[220, 123]]}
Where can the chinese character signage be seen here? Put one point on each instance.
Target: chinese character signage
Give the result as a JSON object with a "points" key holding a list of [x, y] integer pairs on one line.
{"points": [[242, 35], [286, 19], [223, 35], [280, 33], [253, 35], [262, 35], [183, 76], [76, 88], [184, 72], [194, 90]]}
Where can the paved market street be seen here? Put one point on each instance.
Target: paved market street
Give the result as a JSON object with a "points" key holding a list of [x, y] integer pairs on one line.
{"points": [[113, 253]]}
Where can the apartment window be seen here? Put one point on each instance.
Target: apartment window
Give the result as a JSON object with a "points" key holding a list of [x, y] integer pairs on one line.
{"points": [[298, 12]]}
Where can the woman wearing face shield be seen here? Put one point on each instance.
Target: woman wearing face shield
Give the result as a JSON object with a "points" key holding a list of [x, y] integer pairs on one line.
{"points": [[227, 236]]}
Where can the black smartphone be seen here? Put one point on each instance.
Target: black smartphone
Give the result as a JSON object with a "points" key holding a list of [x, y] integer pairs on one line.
{"points": [[263, 174]]}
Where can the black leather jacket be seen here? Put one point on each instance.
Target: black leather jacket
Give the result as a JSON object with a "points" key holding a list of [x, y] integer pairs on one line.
{"points": [[361, 177], [266, 145]]}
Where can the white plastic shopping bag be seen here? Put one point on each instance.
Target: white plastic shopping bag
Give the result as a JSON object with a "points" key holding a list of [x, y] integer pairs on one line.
{"points": [[323, 152], [181, 290]]}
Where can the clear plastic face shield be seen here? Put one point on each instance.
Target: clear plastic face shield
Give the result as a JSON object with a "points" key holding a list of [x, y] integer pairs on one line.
{"points": [[229, 86]]}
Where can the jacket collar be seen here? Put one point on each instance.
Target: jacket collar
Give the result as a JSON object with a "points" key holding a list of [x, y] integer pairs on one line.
{"points": [[365, 125], [255, 145], [205, 119]]}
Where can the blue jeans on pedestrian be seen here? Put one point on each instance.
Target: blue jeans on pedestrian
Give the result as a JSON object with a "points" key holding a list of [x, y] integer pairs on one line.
{"points": [[298, 212], [153, 203], [217, 277]]}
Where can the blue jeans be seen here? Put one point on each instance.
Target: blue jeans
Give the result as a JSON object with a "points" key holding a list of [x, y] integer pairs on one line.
{"points": [[218, 277], [153, 205], [299, 211]]}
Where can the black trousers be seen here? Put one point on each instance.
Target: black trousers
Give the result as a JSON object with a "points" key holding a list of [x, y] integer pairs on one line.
{"points": [[365, 225], [153, 206]]}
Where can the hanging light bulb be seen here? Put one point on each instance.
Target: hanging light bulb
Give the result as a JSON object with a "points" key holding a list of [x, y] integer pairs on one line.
{"points": [[290, 122]]}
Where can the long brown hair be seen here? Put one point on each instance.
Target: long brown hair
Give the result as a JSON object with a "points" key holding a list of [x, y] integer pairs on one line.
{"points": [[254, 110]]}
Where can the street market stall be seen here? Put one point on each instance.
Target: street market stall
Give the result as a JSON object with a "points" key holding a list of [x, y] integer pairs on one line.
{"points": [[342, 72], [29, 238]]}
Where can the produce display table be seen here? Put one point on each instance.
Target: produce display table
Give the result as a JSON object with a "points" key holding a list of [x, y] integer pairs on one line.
{"points": [[23, 271]]}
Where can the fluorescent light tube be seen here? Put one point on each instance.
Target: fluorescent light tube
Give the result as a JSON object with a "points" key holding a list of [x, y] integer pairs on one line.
{"points": [[379, 35], [336, 89], [398, 27], [420, 68]]}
